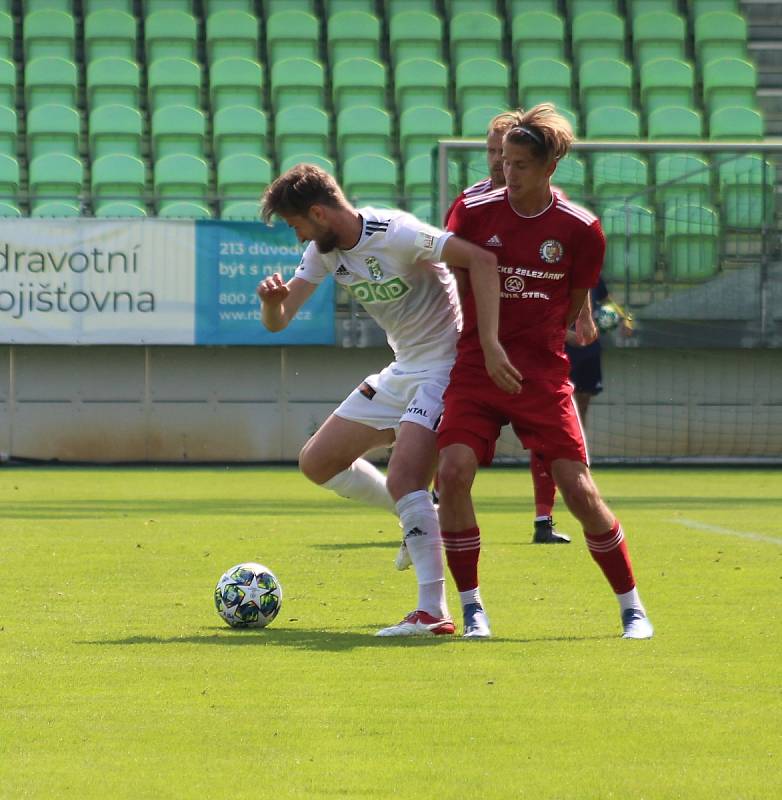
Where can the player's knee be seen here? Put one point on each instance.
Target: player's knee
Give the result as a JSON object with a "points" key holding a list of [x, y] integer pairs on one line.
{"points": [[455, 475], [311, 464], [579, 493]]}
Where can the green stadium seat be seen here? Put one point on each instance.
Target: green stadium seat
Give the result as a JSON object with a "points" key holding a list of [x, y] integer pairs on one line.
{"points": [[729, 82], [515, 7], [691, 235], [570, 176], [113, 81], [358, 82], [613, 123], [301, 129], [183, 209], [736, 123], [698, 8], [236, 82], [50, 80], [421, 179], [475, 121], [91, 6], [172, 82], [598, 34], [572, 117], [242, 210], [425, 212], [65, 6], [240, 129], [481, 81], [370, 180], [667, 82], [292, 34], [420, 128], [55, 176], [231, 34], [180, 177], [675, 124], [271, 7], [115, 129], [545, 80], [577, 7], [110, 33], [117, 177], [475, 35], [9, 210], [659, 35], [298, 81], [394, 7], [537, 34], [421, 82], [605, 82], [6, 36], [178, 129], [152, 6], [120, 210], [454, 7], [415, 34], [332, 7], [9, 179], [7, 83], [216, 6], [619, 178], [171, 34], [363, 129], [51, 209], [242, 177], [682, 179], [49, 34], [9, 129], [303, 157], [720, 34], [353, 34], [631, 248], [747, 190], [53, 129], [635, 8]]}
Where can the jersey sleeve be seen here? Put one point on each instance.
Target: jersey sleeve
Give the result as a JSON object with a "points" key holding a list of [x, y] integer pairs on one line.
{"points": [[312, 267], [457, 219], [415, 240], [588, 258]]}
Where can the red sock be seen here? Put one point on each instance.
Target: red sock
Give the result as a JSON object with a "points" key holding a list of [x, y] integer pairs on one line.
{"points": [[543, 485], [610, 551], [462, 550]]}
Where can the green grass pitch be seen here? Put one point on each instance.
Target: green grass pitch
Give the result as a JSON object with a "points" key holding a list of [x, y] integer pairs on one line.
{"points": [[118, 679]]}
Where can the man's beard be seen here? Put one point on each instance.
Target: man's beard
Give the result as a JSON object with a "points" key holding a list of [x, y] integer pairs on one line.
{"points": [[327, 242]]}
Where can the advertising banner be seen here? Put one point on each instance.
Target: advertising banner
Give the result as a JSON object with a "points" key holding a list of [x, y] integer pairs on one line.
{"points": [[148, 281]]}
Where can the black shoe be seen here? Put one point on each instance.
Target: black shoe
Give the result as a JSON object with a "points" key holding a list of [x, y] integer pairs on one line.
{"points": [[546, 533]]}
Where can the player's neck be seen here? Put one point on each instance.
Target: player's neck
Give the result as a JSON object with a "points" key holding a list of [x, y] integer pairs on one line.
{"points": [[348, 227], [530, 204]]}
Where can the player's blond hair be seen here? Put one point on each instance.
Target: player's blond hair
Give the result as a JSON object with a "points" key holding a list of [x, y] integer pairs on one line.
{"points": [[545, 130], [506, 119], [294, 192]]}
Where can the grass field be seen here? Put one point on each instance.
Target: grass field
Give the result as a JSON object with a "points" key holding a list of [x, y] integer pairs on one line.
{"points": [[117, 678]]}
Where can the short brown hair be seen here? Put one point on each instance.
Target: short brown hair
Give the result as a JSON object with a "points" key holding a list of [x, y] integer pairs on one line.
{"points": [[545, 130], [294, 192], [506, 119]]}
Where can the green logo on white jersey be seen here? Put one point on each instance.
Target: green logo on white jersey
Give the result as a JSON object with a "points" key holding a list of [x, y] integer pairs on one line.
{"points": [[366, 292]]}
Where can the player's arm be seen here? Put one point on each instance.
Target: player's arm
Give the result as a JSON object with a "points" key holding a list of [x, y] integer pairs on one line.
{"points": [[281, 301], [481, 266], [585, 331]]}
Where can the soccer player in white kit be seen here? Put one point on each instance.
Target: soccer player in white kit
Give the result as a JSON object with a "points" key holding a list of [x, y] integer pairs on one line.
{"points": [[391, 263]]}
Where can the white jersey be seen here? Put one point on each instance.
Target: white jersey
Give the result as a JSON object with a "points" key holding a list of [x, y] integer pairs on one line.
{"points": [[393, 271]]}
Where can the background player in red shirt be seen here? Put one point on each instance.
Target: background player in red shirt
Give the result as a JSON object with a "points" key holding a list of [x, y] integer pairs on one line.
{"points": [[549, 254]]}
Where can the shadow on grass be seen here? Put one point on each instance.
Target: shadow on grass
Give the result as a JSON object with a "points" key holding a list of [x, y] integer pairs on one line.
{"points": [[322, 640]]}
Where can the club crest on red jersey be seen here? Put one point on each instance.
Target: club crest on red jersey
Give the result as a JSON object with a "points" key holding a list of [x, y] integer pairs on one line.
{"points": [[514, 284], [551, 251]]}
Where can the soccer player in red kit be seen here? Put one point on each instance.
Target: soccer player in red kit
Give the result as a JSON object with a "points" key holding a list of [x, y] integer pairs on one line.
{"points": [[549, 254]]}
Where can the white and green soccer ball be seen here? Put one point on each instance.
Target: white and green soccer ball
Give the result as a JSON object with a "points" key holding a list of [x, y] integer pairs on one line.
{"points": [[248, 596], [607, 318]]}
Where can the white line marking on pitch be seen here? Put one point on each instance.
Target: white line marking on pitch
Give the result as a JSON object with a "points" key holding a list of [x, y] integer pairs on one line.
{"points": [[703, 526]]}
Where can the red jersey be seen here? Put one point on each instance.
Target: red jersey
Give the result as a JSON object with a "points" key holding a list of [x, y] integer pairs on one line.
{"points": [[540, 260]]}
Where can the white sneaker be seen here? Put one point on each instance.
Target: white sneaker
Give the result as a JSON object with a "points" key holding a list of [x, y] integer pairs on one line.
{"points": [[403, 560], [636, 625], [419, 623], [476, 623]]}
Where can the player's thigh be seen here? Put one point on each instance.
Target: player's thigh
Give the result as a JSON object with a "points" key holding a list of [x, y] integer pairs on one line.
{"points": [[412, 460], [337, 444]]}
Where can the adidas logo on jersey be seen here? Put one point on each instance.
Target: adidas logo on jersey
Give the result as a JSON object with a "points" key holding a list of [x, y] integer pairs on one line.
{"points": [[341, 270], [494, 241]]}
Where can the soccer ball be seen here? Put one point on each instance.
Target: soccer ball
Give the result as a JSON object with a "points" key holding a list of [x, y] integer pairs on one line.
{"points": [[607, 318], [248, 596]]}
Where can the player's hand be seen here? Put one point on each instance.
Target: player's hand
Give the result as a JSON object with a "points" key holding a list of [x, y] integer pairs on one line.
{"points": [[272, 290], [501, 371], [586, 330]]}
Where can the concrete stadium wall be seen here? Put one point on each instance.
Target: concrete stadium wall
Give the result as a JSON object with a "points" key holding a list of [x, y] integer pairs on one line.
{"points": [[192, 404]]}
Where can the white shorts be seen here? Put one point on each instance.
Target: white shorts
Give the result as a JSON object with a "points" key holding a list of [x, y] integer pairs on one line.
{"points": [[395, 396]]}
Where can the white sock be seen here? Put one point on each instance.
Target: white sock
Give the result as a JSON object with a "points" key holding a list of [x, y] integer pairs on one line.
{"points": [[471, 596], [630, 599], [424, 542], [364, 482]]}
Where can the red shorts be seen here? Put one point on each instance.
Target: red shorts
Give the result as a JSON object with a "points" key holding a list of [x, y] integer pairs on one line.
{"points": [[543, 416]]}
